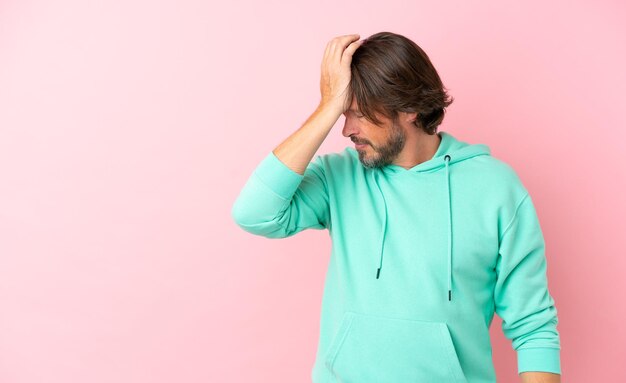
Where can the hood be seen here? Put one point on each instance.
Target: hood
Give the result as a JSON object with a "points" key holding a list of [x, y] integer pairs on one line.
{"points": [[449, 152]]}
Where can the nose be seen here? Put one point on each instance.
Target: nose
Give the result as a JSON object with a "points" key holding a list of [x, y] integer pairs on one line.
{"points": [[350, 127]]}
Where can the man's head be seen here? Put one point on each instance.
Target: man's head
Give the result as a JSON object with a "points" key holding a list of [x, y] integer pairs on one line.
{"points": [[395, 91], [382, 143]]}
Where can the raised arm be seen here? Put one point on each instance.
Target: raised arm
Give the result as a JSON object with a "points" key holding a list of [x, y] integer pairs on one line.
{"points": [[287, 192], [298, 149]]}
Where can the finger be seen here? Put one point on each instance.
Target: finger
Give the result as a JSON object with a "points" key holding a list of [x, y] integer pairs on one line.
{"points": [[327, 50], [330, 46], [338, 45], [346, 58]]}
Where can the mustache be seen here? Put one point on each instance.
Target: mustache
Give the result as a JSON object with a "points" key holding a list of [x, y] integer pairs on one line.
{"points": [[359, 142]]}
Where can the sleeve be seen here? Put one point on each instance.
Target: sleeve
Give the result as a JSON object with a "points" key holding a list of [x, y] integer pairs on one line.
{"points": [[277, 202], [521, 295]]}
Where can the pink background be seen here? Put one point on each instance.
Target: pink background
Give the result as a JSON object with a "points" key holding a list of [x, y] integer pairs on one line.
{"points": [[128, 129]]}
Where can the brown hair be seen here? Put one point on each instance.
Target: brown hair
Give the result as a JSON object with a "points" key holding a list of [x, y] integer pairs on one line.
{"points": [[391, 74]]}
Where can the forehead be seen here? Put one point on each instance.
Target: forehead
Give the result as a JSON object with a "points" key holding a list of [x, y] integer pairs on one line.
{"points": [[354, 107]]}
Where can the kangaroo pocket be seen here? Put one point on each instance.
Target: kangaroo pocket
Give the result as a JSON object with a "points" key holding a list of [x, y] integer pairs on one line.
{"points": [[369, 348]]}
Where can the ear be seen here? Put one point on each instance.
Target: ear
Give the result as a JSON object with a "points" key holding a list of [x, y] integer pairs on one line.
{"points": [[410, 117]]}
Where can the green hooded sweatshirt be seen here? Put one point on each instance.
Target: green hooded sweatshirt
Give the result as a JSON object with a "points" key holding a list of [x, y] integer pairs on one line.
{"points": [[421, 259]]}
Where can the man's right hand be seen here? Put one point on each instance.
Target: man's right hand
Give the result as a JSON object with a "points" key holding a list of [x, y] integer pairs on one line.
{"points": [[297, 150], [336, 74]]}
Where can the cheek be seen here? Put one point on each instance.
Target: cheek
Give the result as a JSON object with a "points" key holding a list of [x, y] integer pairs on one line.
{"points": [[379, 137]]}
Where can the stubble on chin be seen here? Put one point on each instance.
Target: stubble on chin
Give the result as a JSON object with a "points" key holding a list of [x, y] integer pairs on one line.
{"points": [[383, 156]]}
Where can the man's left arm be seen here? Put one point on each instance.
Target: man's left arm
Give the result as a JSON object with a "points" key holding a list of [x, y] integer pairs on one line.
{"points": [[522, 300]]}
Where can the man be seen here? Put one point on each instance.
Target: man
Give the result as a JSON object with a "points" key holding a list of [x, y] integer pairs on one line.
{"points": [[430, 235]]}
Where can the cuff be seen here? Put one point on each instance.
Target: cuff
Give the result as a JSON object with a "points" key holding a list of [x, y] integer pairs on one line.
{"points": [[539, 359], [277, 176]]}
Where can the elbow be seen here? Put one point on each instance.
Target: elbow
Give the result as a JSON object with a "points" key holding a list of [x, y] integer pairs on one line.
{"points": [[243, 215], [249, 220]]}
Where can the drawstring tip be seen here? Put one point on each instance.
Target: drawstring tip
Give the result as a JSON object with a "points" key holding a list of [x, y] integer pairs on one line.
{"points": [[378, 273], [449, 295]]}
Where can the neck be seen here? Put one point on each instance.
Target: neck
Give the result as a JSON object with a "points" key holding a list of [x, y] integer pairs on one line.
{"points": [[419, 147]]}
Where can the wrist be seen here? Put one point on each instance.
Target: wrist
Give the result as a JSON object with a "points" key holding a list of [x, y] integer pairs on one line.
{"points": [[331, 107]]}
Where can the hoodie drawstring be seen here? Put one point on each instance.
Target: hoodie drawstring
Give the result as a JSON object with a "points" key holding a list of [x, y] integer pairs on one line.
{"points": [[447, 161], [382, 234], [384, 227]]}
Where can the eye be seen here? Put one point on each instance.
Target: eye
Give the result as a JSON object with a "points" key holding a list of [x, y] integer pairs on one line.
{"points": [[358, 115]]}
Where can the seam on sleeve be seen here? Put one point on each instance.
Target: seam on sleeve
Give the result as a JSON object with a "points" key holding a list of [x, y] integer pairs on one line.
{"points": [[268, 187], [510, 224], [286, 201]]}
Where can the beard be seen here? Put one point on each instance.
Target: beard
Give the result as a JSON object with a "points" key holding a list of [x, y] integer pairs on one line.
{"points": [[385, 153]]}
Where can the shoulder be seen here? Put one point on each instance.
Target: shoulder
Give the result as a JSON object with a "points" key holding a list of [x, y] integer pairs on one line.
{"points": [[498, 168], [346, 160], [348, 154], [498, 178]]}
